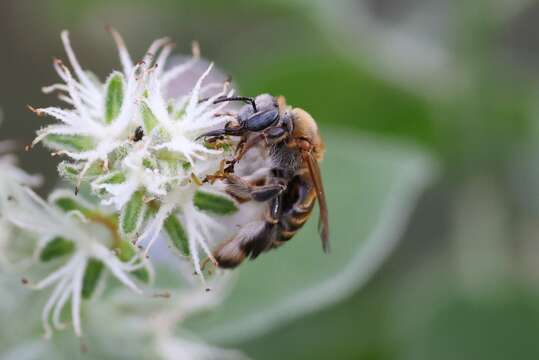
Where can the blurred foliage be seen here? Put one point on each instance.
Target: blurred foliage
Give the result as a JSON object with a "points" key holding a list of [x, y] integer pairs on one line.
{"points": [[344, 96], [437, 324], [481, 128]]}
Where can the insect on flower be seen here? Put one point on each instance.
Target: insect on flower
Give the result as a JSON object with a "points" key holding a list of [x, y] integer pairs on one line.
{"points": [[290, 183]]}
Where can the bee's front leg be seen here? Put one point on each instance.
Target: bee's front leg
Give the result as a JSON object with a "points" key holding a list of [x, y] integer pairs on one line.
{"points": [[270, 136], [231, 128], [246, 144]]}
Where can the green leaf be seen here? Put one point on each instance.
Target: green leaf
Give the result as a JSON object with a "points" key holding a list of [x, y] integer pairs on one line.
{"points": [[132, 213], [93, 271], [409, 115], [149, 119], [56, 248], [125, 252], [115, 97], [176, 234], [334, 324], [216, 204], [371, 188], [75, 143]]}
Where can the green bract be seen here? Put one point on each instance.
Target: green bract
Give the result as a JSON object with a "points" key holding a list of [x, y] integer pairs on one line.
{"points": [[55, 248], [217, 204], [72, 171], [114, 97], [113, 177], [93, 271], [176, 234], [149, 119], [68, 203], [133, 214], [126, 251], [74, 143]]}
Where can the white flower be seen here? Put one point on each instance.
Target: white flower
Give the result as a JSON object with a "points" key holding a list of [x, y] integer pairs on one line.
{"points": [[139, 149], [11, 175], [173, 348], [23, 209], [170, 343], [102, 115]]}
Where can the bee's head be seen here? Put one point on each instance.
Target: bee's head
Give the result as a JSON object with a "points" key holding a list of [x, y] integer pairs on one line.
{"points": [[262, 103]]}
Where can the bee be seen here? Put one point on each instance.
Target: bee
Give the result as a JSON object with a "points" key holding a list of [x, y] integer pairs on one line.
{"points": [[291, 183]]}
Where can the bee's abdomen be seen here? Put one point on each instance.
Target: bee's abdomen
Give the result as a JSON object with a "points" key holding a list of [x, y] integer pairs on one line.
{"points": [[293, 219]]}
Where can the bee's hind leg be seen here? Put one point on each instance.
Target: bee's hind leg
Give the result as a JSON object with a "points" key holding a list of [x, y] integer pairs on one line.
{"points": [[264, 239], [242, 189], [252, 239]]}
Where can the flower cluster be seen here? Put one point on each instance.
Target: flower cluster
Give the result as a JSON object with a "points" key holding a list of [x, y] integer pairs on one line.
{"points": [[132, 148], [74, 240], [77, 243], [137, 147], [83, 236]]}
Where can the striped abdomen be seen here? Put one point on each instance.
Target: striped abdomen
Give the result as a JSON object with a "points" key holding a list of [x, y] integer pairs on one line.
{"points": [[298, 203]]}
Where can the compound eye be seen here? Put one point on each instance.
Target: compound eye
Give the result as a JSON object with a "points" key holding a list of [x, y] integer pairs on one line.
{"points": [[261, 120]]}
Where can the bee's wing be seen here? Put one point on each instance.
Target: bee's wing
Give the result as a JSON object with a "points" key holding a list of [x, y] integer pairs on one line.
{"points": [[323, 221]]}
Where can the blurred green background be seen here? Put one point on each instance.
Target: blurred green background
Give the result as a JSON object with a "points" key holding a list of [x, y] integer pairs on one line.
{"points": [[457, 78]]}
